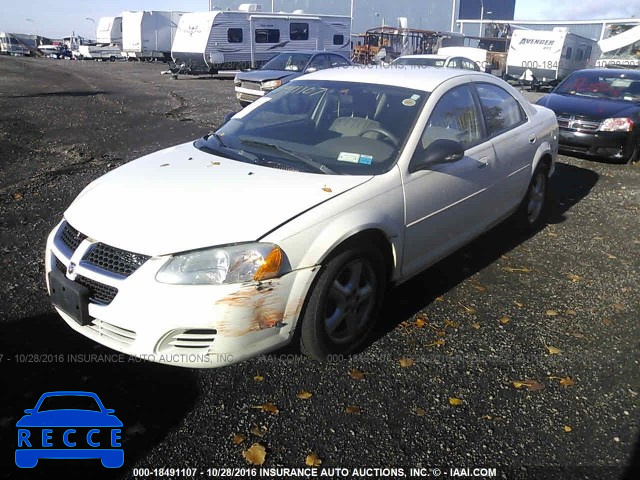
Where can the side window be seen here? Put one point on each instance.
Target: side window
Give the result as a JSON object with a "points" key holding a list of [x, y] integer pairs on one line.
{"points": [[455, 117], [338, 39], [501, 111], [267, 35], [234, 35], [469, 65], [453, 63], [299, 31], [578, 55], [338, 61], [588, 53], [567, 54], [319, 62]]}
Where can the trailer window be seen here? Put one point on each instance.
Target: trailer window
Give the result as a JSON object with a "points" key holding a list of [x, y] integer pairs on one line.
{"points": [[579, 55], [234, 35], [267, 35], [338, 39], [567, 54], [588, 54], [299, 31]]}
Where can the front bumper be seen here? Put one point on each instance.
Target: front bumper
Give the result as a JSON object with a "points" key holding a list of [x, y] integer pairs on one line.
{"points": [[617, 146], [246, 95], [199, 326]]}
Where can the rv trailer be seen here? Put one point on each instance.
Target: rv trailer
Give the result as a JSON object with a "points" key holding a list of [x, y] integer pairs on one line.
{"points": [[11, 45], [207, 42], [109, 31], [621, 50], [148, 35], [545, 57]]}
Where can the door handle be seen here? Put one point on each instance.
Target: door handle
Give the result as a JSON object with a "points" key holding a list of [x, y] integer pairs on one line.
{"points": [[483, 162], [532, 138]]}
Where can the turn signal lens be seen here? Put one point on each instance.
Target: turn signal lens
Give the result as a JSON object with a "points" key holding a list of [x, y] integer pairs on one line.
{"points": [[271, 266]]}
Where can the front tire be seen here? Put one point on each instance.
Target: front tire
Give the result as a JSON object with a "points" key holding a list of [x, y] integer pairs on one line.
{"points": [[532, 213], [344, 303]]}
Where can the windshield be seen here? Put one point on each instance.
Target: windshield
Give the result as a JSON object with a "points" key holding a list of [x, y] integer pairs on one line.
{"points": [[322, 127], [288, 61], [69, 402], [612, 85], [423, 62]]}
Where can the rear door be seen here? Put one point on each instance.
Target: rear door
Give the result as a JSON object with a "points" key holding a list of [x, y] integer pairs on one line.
{"points": [[514, 140]]}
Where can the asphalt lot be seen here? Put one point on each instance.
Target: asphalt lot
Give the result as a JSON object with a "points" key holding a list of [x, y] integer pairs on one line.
{"points": [[561, 304]]}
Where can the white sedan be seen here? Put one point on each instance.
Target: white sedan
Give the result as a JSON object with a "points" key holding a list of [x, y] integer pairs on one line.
{"points": [[292, 219]]}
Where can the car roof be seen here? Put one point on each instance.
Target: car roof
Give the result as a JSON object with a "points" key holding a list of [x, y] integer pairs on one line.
{"points": [[614, 71], [425, 79], [308, 52], [432, 55]]}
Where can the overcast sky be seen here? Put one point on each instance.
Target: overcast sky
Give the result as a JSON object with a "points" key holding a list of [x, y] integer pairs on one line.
{"points": [[57, 19]]}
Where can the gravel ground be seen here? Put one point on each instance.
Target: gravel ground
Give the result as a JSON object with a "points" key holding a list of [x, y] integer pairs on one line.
{"points": [[557, 310]]}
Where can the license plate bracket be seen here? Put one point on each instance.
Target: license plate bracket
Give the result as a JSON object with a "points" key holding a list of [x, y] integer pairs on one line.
{"points": [[70, 297]]}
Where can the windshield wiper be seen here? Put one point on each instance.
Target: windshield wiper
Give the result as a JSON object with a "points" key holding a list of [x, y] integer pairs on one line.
{"points": [[239, 153], [298, 156], [218, 137]]}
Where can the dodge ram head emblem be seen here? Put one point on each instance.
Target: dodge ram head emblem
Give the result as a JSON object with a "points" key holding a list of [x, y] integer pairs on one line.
{"points": [[71, 267]]}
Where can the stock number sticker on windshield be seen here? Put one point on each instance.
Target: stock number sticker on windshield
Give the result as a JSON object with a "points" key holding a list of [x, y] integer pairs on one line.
{"points": [[355, 158], [408, 102]]}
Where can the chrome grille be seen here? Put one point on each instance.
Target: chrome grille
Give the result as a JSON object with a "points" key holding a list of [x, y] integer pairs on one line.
{"points": [[114, 260], [98, 292], [250, 85], [71, 237], [577, 123]]}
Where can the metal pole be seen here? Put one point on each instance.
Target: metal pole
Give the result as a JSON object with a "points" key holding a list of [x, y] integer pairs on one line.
{"points": [[272, 6], [351, 24], [481, 15], [453, 14]]}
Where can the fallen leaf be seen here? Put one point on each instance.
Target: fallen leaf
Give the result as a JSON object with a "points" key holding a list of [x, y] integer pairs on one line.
{"points": [[421, 412], [518, 304], [469, 310], [451, 323], [475, 325], [567, 382], [573, 278], [478, 286], [504, 320], [353, 409], [420, 323], [441, 333], [259, 430], [255, 454], [553, 350], [454, 401], [551, 234], [518, 269], [258, 378], [238, 438], [17, 196], [312, 460], [303, 395], [529, 384], [268, 407], [406, 362], [618, 307], [440, 299], [213, 164], [609, 256], [569, 311], [438, 343], [326, 189], [356, 374], [607, 321], [567, 428], [551, 313]]}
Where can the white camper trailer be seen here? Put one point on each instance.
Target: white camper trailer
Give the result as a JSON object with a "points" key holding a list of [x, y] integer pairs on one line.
{"points": [[11, 45], [621, 50], [207, 42], [545, 57], [148, 35], [109, 31]]}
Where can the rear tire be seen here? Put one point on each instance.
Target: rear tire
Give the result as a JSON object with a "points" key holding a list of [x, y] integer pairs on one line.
{"points": [[533, 210], [635, 155], [343, 305]]}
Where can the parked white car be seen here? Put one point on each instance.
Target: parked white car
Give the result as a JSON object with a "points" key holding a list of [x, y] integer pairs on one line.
{"points": [[297, 214], [432, 60]]}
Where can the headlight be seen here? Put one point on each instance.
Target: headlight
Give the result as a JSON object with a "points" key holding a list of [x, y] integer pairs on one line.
{"points": [[236, 82], [616, 125], [271, 84], [214, 266]]}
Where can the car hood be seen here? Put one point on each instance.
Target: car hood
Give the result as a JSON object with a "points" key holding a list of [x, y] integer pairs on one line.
{"points": [[69, 418], [181, 199], [263, 75], [596, 108]]}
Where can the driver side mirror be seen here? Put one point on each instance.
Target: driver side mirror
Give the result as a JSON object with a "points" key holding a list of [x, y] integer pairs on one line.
{"points": [[311, 70], [439, 151]]}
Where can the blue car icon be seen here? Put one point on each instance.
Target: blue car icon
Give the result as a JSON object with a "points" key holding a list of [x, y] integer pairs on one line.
{"points": [[69, 425]]}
